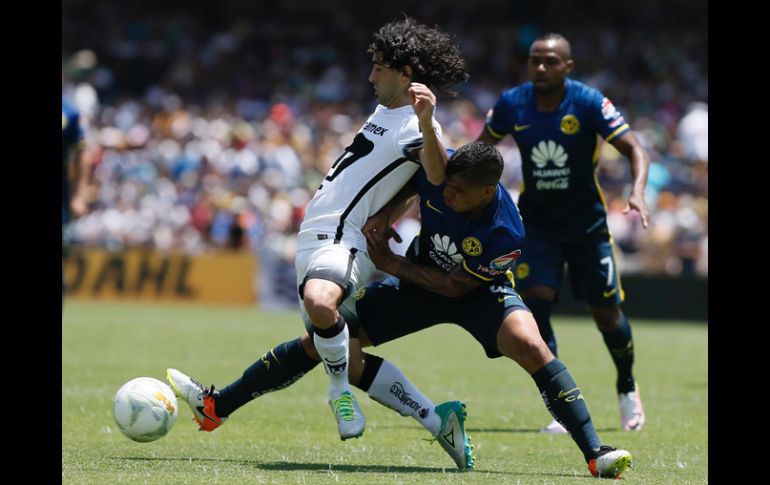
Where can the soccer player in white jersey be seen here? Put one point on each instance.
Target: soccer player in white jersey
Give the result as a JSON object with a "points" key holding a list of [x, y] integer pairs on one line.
{"points": [[332, 261], [409, 61]]}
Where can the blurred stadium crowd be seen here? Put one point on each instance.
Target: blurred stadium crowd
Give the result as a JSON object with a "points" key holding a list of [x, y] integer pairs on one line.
{"points": [[211, 126]]}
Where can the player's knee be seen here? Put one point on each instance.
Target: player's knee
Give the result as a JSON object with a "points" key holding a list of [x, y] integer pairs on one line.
{"points": [[320, 302], [531, 353], [607, 318]]}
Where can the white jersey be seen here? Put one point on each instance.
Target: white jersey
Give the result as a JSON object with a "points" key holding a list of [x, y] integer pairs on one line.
{"points": [[373, 168]]}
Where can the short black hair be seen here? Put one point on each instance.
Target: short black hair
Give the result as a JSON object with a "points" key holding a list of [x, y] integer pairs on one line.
{"points": [[434, 60], [479, 163], [559, 38]]}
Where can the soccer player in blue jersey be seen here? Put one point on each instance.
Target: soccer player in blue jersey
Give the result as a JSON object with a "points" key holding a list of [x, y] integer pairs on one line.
{"points": [[456, 271], [555, 122], [73, 154]]}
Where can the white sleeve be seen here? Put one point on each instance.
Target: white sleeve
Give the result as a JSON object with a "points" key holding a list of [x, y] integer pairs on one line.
{"points": [[409, 137]]}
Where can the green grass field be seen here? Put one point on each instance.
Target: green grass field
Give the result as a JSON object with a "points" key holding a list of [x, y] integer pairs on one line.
{"points": [[290, 436]]}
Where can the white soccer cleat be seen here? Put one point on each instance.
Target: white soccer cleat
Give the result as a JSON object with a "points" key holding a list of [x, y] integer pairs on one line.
{"points": [[198, 397], [350, 419], [554, 427], [610, 463], [631, 411]]}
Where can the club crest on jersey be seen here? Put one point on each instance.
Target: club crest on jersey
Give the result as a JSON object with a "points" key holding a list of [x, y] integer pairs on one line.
{"points": [[569, 125], [522, 270], [359, 293], [471, 246]]}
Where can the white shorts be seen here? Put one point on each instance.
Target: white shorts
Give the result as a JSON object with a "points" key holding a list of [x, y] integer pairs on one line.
{"points": [[348, 267]]}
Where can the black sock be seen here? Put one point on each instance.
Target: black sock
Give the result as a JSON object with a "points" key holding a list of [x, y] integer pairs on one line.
{"points": [[332, 331], [371, 368], [620, 343], [280, 367], [541, 310], [564, 401]]}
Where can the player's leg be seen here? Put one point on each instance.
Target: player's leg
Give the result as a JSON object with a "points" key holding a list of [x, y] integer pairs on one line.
{"points": [[595, 275], [538, 274], [278, 368], [390, 313], [519, 339], [328, 275]]}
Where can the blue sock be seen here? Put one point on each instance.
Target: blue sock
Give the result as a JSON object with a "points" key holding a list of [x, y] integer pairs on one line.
{"points": [[541, 310], [564, 401], [280, 367], [621, 346]]}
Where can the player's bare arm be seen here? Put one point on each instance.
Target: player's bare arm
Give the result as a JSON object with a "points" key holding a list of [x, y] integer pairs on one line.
{"points": [[452, 285], [380, 223], [630, 147], [433, 155]]}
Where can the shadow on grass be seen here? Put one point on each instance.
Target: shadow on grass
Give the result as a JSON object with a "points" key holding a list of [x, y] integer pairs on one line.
{"points": [[326, 467], [524, 430], [497, 430], [292, 466]]}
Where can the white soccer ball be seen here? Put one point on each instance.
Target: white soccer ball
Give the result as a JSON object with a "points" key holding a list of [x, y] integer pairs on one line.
{"points": [[144, 409]]}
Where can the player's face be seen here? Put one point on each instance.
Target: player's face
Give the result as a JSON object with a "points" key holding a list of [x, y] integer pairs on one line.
{"points": [[462, 196], [387, 82], [548, 66]]}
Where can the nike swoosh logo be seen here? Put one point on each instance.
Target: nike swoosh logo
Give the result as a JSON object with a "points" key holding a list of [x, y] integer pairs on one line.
{"points": [[200, 410], [565, 393], [608, 294], [503, 298], [520, 127], [427, 202]]}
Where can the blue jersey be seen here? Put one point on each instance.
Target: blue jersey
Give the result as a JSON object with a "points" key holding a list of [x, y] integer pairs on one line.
{"points": [[71, 136], [486, 247], [559, 152]]}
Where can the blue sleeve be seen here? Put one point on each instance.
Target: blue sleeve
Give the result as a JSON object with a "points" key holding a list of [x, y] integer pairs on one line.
{"points": [[420, 181], [609, 123], [500, 118], [502, 249]]}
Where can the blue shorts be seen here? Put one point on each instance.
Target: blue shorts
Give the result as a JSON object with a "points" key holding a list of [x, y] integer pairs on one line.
{"points": [[592, 267], [391, 309]]}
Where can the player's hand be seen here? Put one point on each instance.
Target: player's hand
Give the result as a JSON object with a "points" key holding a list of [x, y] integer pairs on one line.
{"points": [[423, 101], [379, 222], [79, 206], [637, 203], [379, 249]]}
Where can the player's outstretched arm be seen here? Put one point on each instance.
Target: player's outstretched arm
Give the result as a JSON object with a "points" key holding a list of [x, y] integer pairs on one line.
{"points": [[629, 145]]}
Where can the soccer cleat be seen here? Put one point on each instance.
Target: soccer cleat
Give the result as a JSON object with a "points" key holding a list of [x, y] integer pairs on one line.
{"points": [[631, 411], [554, 427], [350, 419], [609, 463], [452, 435], [199, 398]]}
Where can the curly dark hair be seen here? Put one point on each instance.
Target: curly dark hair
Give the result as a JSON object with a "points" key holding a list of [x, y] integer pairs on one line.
{"points": [[434, 60]]}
